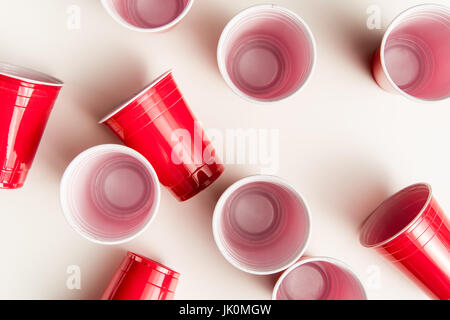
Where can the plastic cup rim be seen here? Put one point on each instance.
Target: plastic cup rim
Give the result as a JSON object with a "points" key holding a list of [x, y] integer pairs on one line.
{"points": [[221, 59], [52, 81], [124, 150], [333, 261], [135, 97], [164, 27], [218, 210], [404, 229], [394, 23]]}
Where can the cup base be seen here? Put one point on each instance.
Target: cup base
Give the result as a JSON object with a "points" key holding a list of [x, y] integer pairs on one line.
{"points": [[197, 182], [12, 180]]}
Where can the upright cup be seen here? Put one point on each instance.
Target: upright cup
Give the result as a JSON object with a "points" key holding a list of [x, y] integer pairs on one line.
{"points": [[266, 53], [158, 123], [139, 278], [148, 15], [261, 225], [319, 279], [109, 194], [26, 100], [413, 58], [412, 231]]}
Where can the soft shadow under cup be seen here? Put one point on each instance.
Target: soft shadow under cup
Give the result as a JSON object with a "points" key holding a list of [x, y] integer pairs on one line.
{"points": [[147, 14], [109, 193], [266, 52], [417, 53], [262, 226], [411, 230], [319, 279]]}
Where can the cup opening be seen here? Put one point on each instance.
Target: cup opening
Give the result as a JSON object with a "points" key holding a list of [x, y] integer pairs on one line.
{"points": [[137, 96], [261, 225], [148, 15], [109, 194], [319, 279], [395, 215], [28, 75], [415, 52], [266, 53]]}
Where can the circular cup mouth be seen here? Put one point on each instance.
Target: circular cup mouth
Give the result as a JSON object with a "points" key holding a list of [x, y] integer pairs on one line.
{"points": [[28, 75], [216, 223], [370, 223], [304, 261], [393, 25], [135, 97], [66, 181], [161, 28], [221, 59]]}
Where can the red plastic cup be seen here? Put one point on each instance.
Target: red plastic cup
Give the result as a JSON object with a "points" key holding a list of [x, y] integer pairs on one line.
{"points": [[413, 58], [319, 279], [158, 123], [412, 231], [266, 53], [148, 15], [26, 100], [139, 278], [109, 194], [261, 225]]}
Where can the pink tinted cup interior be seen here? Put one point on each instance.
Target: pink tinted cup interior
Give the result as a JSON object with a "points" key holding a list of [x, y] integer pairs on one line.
{"points": [[394, 215], [266, 53], [416, 52], [261, 225], [319, 279], [109, 194], [148, 14]]}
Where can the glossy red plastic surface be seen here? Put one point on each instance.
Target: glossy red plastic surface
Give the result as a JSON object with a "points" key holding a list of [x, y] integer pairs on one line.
{"points": [[24, 111], [139, 278], [159, 124], [422, 248]]}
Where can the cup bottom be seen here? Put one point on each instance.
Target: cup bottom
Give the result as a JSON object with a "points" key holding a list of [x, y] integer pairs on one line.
{"points": [[408, 63], [308, 282], [12, 179], [259, 66], [155, 13], [197, 182]]}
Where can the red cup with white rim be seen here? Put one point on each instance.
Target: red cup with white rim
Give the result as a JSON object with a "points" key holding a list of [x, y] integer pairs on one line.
{"points": [[413, 232], [139, 278], [413, 59], [26, 101], [261, 225], [158, 123], [110, 194], [266, 53], [319, 279], [148, 15]]}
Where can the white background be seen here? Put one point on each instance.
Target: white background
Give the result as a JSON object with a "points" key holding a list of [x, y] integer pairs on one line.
{"points": [[345, 144]]}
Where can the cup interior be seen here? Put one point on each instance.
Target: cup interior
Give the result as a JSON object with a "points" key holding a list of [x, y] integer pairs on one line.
{"points": [[317, 279], [262, 227], [394, 215], [417, 50], [109, 194], [266, 53], [147, 14], [28, 75]]}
